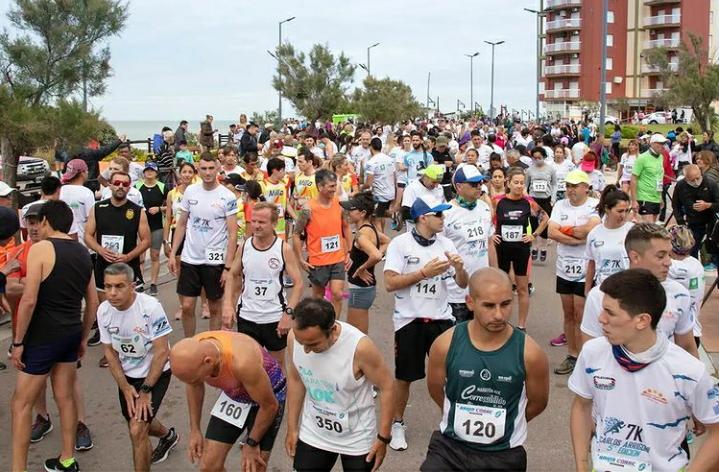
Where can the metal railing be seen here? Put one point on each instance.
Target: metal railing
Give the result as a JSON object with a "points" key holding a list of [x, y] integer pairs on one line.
{"points": [[563, 3], [562, 69], [564, 23], [663, 20], [662, 43], [565, 46], [650, 69], [561, 93]]}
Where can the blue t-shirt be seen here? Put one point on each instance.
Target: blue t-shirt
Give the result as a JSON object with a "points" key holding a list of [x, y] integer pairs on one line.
{"points": [[416, 160]]}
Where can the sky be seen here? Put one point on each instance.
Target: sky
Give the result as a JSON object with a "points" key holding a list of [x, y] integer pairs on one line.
{"points": [[182, 59]]}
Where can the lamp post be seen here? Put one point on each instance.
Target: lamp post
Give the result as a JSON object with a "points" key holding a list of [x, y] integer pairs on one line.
{"points": [[279, 73], [603, 73], [539, 14], [368, 58], [471, 79], [491, 93]]}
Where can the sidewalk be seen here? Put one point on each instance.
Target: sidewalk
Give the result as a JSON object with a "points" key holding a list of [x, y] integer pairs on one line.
{"points": [[710, 323]]}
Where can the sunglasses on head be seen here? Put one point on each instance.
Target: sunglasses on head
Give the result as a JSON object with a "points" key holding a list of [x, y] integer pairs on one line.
{"points": [[120, 183]]}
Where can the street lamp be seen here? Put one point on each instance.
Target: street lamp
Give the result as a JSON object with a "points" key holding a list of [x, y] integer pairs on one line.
{"points": [[279, 72], [471, 79], [540, 14], [368, 65], [491, 94]]}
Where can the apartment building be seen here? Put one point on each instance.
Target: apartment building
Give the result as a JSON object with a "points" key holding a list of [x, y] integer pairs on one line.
{"points": [[572, 48]]}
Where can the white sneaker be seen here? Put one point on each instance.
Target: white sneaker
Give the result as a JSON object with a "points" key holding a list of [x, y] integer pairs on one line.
{"points": [[398, 443]]}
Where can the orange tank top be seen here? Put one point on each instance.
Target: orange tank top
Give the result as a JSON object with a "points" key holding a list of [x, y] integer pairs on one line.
{"points": [[325, 241]]}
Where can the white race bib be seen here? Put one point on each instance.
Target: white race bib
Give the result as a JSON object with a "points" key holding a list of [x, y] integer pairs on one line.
{"points": [[660, 186], [260, 289], [572, 268], [512, 233], [561, 185], [330, 243], [230, 411], [428, 288], [328, 421], [215, 255], [475, 232], [540, 186], [113, 243], [479, 424], [133, 346], [608, 462]]}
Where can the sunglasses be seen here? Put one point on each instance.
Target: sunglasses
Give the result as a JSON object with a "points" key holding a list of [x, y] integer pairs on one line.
{"points": [[120, 183], [473, 184]]}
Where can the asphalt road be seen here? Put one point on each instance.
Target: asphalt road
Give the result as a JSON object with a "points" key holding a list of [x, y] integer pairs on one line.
{"points": [[548, 444]]}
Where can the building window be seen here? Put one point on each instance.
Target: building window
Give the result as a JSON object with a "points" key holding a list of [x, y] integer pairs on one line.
{"points": [[608, 87], [610, 40], [610, 63], [610, 17]]}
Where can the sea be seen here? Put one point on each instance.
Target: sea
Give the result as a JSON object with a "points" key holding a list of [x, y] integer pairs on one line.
{"points": [[137, 130]]}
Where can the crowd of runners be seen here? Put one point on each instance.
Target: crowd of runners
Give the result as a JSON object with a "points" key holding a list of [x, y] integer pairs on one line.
{"points": [[454, 214]]}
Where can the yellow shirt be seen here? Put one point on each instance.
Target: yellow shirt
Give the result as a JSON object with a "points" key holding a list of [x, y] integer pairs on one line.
{"points": [[174, 196], [277, 194], [305, 187]]}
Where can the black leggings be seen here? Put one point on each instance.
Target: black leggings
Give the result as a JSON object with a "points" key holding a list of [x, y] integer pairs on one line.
{"points": [[312, 459]]}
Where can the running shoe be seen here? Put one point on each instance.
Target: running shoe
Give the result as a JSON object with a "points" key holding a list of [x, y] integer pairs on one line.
{"points": [[288, 282], [153, 290], [83, 438], [164, 447], [3, 366], [103, 362], [178, 314], [94, 339], [534, 255], [560, 340], [543, 255], [567, 366], [40, 428], [530, 288], [399, 442], [205, 311], [54, 465]]}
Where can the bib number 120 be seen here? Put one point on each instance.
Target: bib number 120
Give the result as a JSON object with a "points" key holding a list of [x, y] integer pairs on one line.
{"points": [[479, 429]]}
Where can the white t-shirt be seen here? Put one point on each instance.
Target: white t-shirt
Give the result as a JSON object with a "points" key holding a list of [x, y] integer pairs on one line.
{"points": [[135, 171], [206, 234], [289, 164], [484, 151], [235, 170], [359, 157], [678, 315], [578, 151], [132, 331], [628, 163], [642, 417], [382, 168], [562, 169], [596, 179], [427, 298], [606, 248], [133, 195], [397, 154], [80, 200], [317, 151], [73, 228], [416, 189], [470, 231], [690, 273], [572, 260]]}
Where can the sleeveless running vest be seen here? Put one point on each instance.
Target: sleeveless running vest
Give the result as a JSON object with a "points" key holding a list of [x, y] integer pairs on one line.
{"points": [[325, 242], [338, 413], [485, 396], [119, 227], [226, 380], [262, 299]]}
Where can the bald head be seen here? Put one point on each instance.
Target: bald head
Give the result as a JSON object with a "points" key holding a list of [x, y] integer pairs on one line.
{"points": [[488, 278], [186, 359], [692, 173]]}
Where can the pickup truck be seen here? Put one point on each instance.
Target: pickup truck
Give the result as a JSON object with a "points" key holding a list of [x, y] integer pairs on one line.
{"points": [[30, 172]]}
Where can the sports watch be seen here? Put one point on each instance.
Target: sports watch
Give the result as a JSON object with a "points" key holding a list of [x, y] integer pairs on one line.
{"points": [[144, 388], [251, 442]]}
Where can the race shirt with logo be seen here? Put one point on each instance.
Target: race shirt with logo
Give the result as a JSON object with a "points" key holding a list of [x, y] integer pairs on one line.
{"points": [[484, 394], [131, 332], [206, 234], [416, 189], [359, 157], [397, 154], [606, 248], [689, 272], [562, 169], [628, 164], [471, 232], [512, 219], [415, 160], [305, 187], [381, 167], [642, 417], [263, 299], [80, 200], [277, 194], [428, 298], [677, 318], [338, 413], [572, 260]]}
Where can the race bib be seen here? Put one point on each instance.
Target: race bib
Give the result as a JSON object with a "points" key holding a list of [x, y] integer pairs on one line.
{"points": [[660, 186], [512, 233], [329, 421], [260, 289], [561, 186], [572, 268], [230, 411], [113, 243], [540, 186], [215, 255], [330, 243], [608, 462], [427, 289], [133, 346], [474, 232], [479, 424]]}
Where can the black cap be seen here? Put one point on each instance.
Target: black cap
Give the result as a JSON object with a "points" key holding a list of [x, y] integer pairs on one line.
{"points": [[236, 181], [33, 210], [9, 223], [362, 204]]}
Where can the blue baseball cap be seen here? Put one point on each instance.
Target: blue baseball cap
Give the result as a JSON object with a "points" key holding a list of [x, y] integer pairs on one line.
{"points": [[427, 204], [150, 165], [468, 173]]}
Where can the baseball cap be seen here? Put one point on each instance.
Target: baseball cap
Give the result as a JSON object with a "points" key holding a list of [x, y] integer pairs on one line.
{"points": [[150, 165], [658, 138], [362, 204], [464, 139], [589, 162], [33, 210], [468, 173], [236, 181], [9, 223], [5, 189], [278, 144], [427, 204], [74, 167], [434, 171], [577, 177]]}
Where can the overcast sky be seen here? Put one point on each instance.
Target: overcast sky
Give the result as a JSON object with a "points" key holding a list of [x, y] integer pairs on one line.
{"points": [[184, 58]]}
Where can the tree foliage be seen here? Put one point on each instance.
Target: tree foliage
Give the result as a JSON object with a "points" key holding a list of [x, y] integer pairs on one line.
{"points": [[317, 83], [386, 101], [268, 116], [696, 85]]}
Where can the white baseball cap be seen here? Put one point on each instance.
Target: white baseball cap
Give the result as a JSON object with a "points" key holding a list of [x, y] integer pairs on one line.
{"points": [[5, 189], [658, 138]]}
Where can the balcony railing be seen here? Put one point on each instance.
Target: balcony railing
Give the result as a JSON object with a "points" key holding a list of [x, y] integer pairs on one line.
{"points": [[562, 93], [650, 69], [563, 69], [563, 3], [660, 2], [565, 46], [649, 93], [663, 20], [564, 24], [662, 43]]}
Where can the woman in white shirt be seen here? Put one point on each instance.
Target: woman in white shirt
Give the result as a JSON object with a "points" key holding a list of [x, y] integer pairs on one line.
{"points": [[687, 270], [627, 163], [605, 242], [681, 153]]}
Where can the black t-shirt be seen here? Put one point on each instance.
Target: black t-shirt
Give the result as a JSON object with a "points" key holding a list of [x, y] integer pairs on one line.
{"points": [[154, 196], [442, 158], [512, 213]]}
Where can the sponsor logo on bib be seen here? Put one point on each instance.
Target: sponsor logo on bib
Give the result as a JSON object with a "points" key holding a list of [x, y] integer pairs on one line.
{"points": [[604, 383]]}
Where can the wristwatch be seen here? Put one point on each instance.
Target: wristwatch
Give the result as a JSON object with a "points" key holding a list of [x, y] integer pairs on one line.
{"points": [[144, 388], [290, 311], [251, 442]]}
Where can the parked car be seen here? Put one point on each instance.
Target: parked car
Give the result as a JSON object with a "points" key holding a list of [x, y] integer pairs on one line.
{"points": [[657, 118], [30, 172]]}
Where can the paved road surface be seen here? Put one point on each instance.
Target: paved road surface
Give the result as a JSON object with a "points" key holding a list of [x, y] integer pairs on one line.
{"points": [[548, 445]]}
